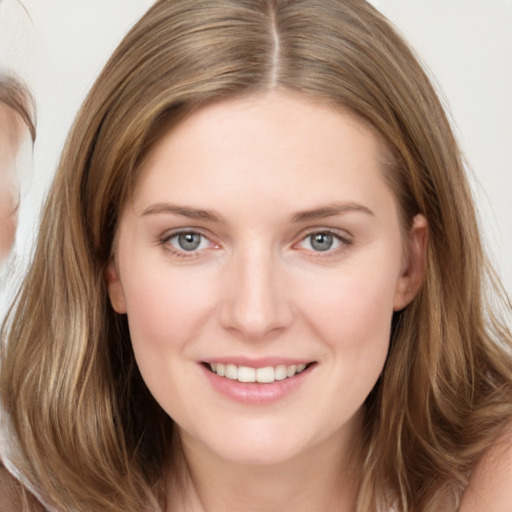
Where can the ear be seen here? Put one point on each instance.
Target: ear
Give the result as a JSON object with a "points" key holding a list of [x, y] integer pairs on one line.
{"points": [[413, 268], [115, 288]]}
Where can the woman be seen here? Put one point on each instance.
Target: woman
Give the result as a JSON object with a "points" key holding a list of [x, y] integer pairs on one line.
{"points": [[16, 126], [259, 283]]}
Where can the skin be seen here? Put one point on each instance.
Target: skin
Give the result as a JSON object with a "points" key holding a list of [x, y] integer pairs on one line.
{"points": [[257, 287], [12, 132], [489, 487]]}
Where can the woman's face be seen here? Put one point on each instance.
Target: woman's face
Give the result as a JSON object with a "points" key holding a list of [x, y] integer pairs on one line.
{"points": [[259, 263], [12, 132]]}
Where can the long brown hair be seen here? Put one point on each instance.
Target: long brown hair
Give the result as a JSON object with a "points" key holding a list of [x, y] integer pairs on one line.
{"points": [[90, 435]]}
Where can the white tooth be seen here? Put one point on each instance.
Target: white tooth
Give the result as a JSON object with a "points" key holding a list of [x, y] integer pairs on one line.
{"points": [[221, 370], [213, 366], [280, 372], [246, 374], [265, 375], [291, 370], [301, 368], [231, 371]]}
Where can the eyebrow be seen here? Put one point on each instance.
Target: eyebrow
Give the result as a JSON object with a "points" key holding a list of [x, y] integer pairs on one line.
{"points": [[303, 216], [184, 211], [330, 211]]}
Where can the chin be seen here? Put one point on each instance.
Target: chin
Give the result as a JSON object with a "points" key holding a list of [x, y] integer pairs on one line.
{"points": [[258, 454], [263, 447]]}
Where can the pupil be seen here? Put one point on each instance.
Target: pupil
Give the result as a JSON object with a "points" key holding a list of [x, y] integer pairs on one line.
{"points": [[189, 241], [321, 241]]}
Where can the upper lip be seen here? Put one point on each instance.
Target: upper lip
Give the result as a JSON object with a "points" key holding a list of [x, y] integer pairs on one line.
{"points": [[260, 362]]}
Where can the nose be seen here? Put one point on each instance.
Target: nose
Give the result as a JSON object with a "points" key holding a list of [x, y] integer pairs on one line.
{"points": [[257, 302]]}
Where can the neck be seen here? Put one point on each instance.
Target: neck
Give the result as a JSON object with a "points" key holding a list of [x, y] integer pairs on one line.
{"points": [[323, 477]]}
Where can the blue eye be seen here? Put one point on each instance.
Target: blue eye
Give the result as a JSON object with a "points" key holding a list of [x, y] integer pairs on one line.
{"points": [[322, 241], [188, 241]]}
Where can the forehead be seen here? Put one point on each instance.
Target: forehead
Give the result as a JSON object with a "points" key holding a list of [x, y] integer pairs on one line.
{"points": [[274, 137]]}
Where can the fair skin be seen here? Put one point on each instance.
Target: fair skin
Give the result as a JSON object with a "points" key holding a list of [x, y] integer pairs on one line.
{"points": [[12, 132], [490, 488], [263, 235]]}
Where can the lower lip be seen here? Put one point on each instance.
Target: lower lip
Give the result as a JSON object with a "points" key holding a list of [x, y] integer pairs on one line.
{"points": [[255, 393]]}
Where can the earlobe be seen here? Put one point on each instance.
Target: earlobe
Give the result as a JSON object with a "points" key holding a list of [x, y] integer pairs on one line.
{"points": [[413, 270], [115, 288]]}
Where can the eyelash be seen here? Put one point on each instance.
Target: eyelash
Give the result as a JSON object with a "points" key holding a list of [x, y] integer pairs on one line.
{"points": [[344, 243], [166, 239]]}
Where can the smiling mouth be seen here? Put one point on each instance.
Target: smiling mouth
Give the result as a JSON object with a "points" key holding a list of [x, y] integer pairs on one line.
{"points": [[265, 375]]}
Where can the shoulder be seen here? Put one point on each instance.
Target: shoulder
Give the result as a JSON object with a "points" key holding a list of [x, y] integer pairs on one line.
{"points": [[490, 485], [13, 497], [10, 494]]}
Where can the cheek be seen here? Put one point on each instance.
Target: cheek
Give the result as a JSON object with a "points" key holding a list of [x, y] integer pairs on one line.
{"points": [[166, 309], [357, 332], [354, 303], [8, 222], [166, 313], [7, 235], [354, 323], [351, 311]]}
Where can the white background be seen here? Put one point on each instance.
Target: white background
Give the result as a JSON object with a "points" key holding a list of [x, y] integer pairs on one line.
{"points": [[59, 46]]}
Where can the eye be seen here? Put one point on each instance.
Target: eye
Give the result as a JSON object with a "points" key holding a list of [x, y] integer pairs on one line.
{"points": [[188, 241], [323, 241]]}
